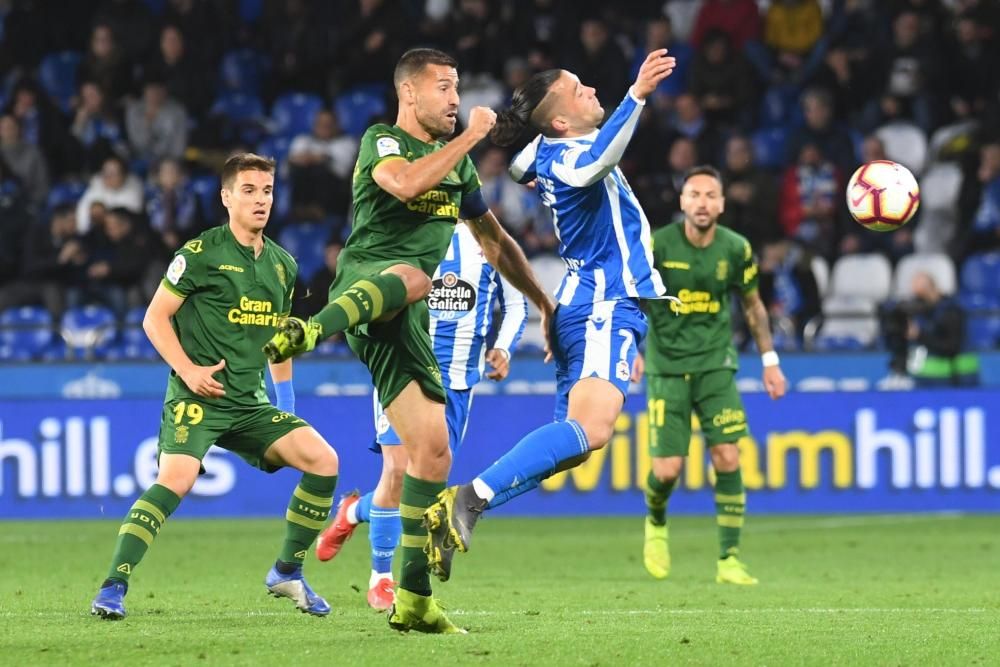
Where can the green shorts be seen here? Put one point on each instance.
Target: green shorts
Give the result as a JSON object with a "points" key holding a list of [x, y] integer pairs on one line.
{"points": [[398, 351], [190, 427], [713, 398]]}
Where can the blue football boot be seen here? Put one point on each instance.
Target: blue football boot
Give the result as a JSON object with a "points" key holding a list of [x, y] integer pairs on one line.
{"points": [[110, 601], [294, 586]]}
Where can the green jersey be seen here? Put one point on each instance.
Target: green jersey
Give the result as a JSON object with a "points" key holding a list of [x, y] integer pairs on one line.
{"points": [[695, 335], [385, 228], [232, 305]]}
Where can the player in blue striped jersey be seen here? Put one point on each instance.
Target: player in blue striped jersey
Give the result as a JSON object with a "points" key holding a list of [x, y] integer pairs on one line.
{"points": [[604, 239], [466, 290]]}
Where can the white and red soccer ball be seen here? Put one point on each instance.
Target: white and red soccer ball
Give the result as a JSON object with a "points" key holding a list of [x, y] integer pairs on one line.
{"points": [[883, 195]]}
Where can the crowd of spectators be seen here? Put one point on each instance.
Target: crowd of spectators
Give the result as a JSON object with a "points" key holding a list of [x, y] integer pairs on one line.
{"points": [[115, 115]]}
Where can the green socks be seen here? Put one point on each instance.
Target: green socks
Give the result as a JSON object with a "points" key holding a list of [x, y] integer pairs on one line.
{"points": [[141, 526], [307, 513], [730, 504], [418, 495], [657, 495], [364, 301]]}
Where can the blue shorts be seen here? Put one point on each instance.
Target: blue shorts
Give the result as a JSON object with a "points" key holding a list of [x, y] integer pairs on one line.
{"points": [[458, 403], [595, 340]]}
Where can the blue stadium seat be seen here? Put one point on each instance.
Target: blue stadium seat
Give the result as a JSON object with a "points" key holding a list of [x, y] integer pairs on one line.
{"points": [[838, 343], [242, 70], [25, 333], [64, 192], [245, 117], [57, 74], [251, 10], [981, 274], [982, 328], [133, 342], [282, 206], [206, 189], [306, 242], [156, 7], [277, 148], [769, 146], [89, 331], [293, 113], [355, 108]]}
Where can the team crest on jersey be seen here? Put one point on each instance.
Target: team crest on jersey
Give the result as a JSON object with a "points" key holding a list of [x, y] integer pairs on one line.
{"points": [[193, 246], [181, 435], [382, 427], [387, 146], [282, 278], [451, 298], [176, 269], [622, 371], [722, 269]]}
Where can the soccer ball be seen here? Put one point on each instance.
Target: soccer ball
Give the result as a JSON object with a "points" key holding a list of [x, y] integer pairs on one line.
{"points": [[882, 195]]}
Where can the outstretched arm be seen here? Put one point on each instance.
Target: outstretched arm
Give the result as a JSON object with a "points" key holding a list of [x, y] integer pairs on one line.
{"points": [[756, 316]]}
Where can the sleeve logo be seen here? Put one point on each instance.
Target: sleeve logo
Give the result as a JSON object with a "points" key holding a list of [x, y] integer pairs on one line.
{"points": [[176, 269], [387, 146]]}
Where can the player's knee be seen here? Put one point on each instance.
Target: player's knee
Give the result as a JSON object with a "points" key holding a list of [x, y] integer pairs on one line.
{"points": [[667, 469], [725, 458], [598, 433], [417, 283], [179, 484], [319, 458]]}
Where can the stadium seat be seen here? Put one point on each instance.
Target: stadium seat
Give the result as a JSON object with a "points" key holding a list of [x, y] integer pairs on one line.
{"points": [[863, 275], [244, 116], [293, 113], [251, 10], [846, 319], [89, 330], [981, 274], [982, 328], [64, 192], [356, 107], [242, 70], [306, 242], [950, 141], [277, 148], [25, 332], [133, 343], [939, 189], [57, 74], [906, 144], [206, 188], [939, 266], [769, 146]]}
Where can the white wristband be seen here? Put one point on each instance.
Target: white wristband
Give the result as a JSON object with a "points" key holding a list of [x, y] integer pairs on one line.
{"points": [[769, 358]]}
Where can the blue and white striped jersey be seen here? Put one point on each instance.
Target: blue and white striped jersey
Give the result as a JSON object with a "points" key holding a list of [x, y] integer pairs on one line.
{"points": [[603, 233], [465, 290]]}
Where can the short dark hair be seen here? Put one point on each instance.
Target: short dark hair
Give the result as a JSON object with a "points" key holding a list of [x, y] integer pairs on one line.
{"points": [[703, 170], [244, 162], [414, 60], [523, 107]]}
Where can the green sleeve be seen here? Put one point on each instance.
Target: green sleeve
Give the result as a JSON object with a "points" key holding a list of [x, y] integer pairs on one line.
{"points": [[469, 175], [378, 145], [293, 272], [186, 273], [745, 280]]}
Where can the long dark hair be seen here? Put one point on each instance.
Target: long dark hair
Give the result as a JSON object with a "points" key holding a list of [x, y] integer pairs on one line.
{"points": [[513, 121]]}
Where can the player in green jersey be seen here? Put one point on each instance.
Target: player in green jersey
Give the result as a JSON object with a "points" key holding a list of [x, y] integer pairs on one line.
{"points": [[691, 364], [222, 297], [409, 190]]}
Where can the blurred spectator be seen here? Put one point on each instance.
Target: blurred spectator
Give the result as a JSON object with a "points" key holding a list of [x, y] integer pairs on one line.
{"points": [[722, 82], [689, 121], [112, 187], [41, 125], [53, 261], [740, 19], [925, 337], [479, 42], [171, 206], [24, 160], [972, 71], [184, 77], [792, 48], [599, 62], [751, 195], [788, 286], [822, 130], [810, 193], [106, 64], [96, 128], [311, 300], [322, 164], [206, 26], [131, 23], [371, 43], [981, 199], [15, 221], [517, 207], [298, 48], [911, 73], [156, 124], [659, 191], [660, 35], [121, 264]]}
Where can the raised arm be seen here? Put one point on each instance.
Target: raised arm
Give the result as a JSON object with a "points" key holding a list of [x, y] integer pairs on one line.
{"points": [[407, 180]]}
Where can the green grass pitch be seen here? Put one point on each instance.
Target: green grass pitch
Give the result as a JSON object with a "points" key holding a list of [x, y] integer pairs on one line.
{"points": [[850, 590]]}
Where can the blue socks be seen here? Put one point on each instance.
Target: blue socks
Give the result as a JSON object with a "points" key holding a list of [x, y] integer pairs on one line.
{"points": [[509, 494], [535, 457], [383, 534]]}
